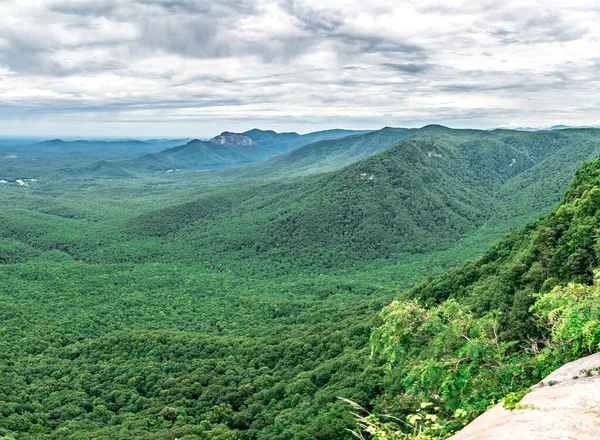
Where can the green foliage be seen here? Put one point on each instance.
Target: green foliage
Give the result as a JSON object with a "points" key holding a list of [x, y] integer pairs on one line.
{"points": [[239, 305], [511, 401], [449, 354], [482, 331], [424, 424], [323, 156], [571, 314], [420, 195], [207, 155]]}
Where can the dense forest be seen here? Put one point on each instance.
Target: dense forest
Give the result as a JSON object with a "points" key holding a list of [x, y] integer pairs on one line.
{"points": [[495, 326], [145, 303]]}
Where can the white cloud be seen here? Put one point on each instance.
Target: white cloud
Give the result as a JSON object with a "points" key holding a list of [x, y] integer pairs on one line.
{"points": [[197, 67]]}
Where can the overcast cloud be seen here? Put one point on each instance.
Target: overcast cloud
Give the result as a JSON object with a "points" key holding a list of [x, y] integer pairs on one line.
{"points": [[191, 68]]}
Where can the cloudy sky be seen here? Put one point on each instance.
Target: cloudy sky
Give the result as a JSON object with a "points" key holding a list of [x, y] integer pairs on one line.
{"points": [[193, 68]]}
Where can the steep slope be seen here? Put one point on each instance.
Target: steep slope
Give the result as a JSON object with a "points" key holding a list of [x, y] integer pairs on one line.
{"points": [[542, 184], [198, 321], [404, 200], [319, 157], [471, 336], [197, 154], [558, 248], [324, 155], [424, 193], [228, 138]]}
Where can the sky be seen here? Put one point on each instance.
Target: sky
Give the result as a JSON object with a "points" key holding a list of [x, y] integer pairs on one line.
{"points": [[196, 68]]}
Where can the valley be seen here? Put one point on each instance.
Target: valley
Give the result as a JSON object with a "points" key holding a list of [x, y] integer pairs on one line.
{"points": [[239, 303]]}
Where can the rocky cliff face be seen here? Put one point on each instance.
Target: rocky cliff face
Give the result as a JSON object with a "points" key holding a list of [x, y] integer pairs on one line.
{"points": [[227, 138], [564, 406]]}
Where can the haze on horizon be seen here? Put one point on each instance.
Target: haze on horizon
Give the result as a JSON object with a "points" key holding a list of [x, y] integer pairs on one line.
{"points": [[194, 68]]}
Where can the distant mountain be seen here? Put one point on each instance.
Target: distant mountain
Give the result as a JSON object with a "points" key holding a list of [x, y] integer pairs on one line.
{"points": [[227, 138], [567, 127], [421, 194], [270, 135], [219, 152], [76, 157], [121, 147], [514, 128], [554, 127], [329, 155], [87, 150], [262, 296], [324, 155], [229, 149], [561, 127]]}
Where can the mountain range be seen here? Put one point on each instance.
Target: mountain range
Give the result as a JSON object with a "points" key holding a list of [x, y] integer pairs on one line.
{"points": [[240, 297], [229, 149]]}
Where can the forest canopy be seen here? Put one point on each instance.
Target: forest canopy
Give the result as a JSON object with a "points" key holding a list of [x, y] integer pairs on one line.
{"points": [[238, 304]]}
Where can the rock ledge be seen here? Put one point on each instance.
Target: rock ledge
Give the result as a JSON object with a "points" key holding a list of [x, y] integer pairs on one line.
{"points": [[566, 406]]}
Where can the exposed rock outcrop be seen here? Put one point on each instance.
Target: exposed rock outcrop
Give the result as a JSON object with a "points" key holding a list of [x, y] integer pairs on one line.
{"points": [[565, 405], [227, 138]]}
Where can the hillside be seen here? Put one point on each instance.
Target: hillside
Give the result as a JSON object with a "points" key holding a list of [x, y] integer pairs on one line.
{"points": [[198, 154], [329, 155], [422, 194], [129, 157], [84, 149], [497, 325], [163, 307], [325, 155], [253, 220], [319, 157], [228, 149]]}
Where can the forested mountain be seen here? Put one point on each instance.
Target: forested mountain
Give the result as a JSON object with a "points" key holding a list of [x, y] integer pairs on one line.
{"points": [[22, 158], [422, 194], [86, 149], [325, 155], [198, 154], [319, 157], [292, 140], [229, 149], [499, 324], [205, 305], [128, 158]]}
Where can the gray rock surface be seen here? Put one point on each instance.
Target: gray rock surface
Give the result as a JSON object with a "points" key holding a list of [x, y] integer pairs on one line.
{"points": [[232, 139], [567, 409]]}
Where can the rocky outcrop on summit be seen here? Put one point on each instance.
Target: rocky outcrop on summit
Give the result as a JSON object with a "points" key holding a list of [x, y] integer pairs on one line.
{"points": [[228, 149], [564, 406], [227, 138]]}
